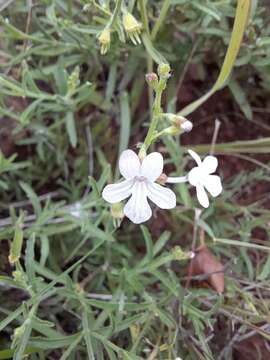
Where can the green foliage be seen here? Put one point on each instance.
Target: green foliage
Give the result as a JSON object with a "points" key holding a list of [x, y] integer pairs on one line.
{"points": [[78, 285]]}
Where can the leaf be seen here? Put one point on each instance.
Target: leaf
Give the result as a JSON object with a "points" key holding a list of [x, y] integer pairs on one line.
{"points": [[32, 197], [125, 122], [205, 263], [161, 242], [241, 18], [26, 115], [87, 333], [66, 354], [23, 339], [155, 55], [111, 82], [16, 245], [207, 10], [149, 243], [44, 249], [265, 270], [240, 98], [48, 343], [71, 129], [8, 353], [29, 260]]}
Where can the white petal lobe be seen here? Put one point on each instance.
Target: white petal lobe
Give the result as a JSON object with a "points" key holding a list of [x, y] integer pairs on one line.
{"points": [[163, 197], [202, 196], [114, 193], [213, 185], [195, 156], [137, 208], [152, 166], [129, 164], [210, 164], [194, 176]]}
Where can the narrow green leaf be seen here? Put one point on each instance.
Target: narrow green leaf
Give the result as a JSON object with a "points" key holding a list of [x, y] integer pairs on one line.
{"points": [[149, 243], [32, 197], [125, 122], [154, 53], [264, 274], [71, 129], [240, 98], [16, 245], [87, 334], [29, 260], [66, 354], [161, 242], [22, 339]]}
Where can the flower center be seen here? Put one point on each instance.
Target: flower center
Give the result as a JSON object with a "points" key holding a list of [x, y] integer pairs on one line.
{"points": [[140, 178]]}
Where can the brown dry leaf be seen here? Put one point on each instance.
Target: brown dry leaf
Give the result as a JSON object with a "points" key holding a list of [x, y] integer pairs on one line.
{"points": [[252, 348], [206, 264]]}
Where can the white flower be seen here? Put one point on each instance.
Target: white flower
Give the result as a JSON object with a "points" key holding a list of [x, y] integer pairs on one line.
{"points": [[187, 126], [140, 183], [201, 177], [76, 210]]}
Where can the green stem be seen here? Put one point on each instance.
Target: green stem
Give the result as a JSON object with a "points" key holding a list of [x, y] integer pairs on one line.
{"points": [[69, 8], [115, 13], [156, 114], [144, 16], [145, 22]]}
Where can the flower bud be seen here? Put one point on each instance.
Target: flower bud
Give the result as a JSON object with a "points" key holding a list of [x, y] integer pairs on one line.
{"points": [[87, 7], [179, 121], [164, 71], [172, 130], [187, 126], [152, 80], [132, 28], [104, 40], [73, 80], [179, 254]]}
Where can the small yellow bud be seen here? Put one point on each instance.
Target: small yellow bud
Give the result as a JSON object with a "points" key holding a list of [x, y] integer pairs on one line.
{"points": [[132, 28], [19, 331], [104, 40], [117, 214], [164, 71]]}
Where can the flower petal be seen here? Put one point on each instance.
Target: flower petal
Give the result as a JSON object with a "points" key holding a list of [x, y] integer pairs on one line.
{"points": [[213, 185], [152, 166], [194, 176], [195, 156], [114, 193], [137, 208], [202, 196], [163, 197], [210, 164], [129, 164]]}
